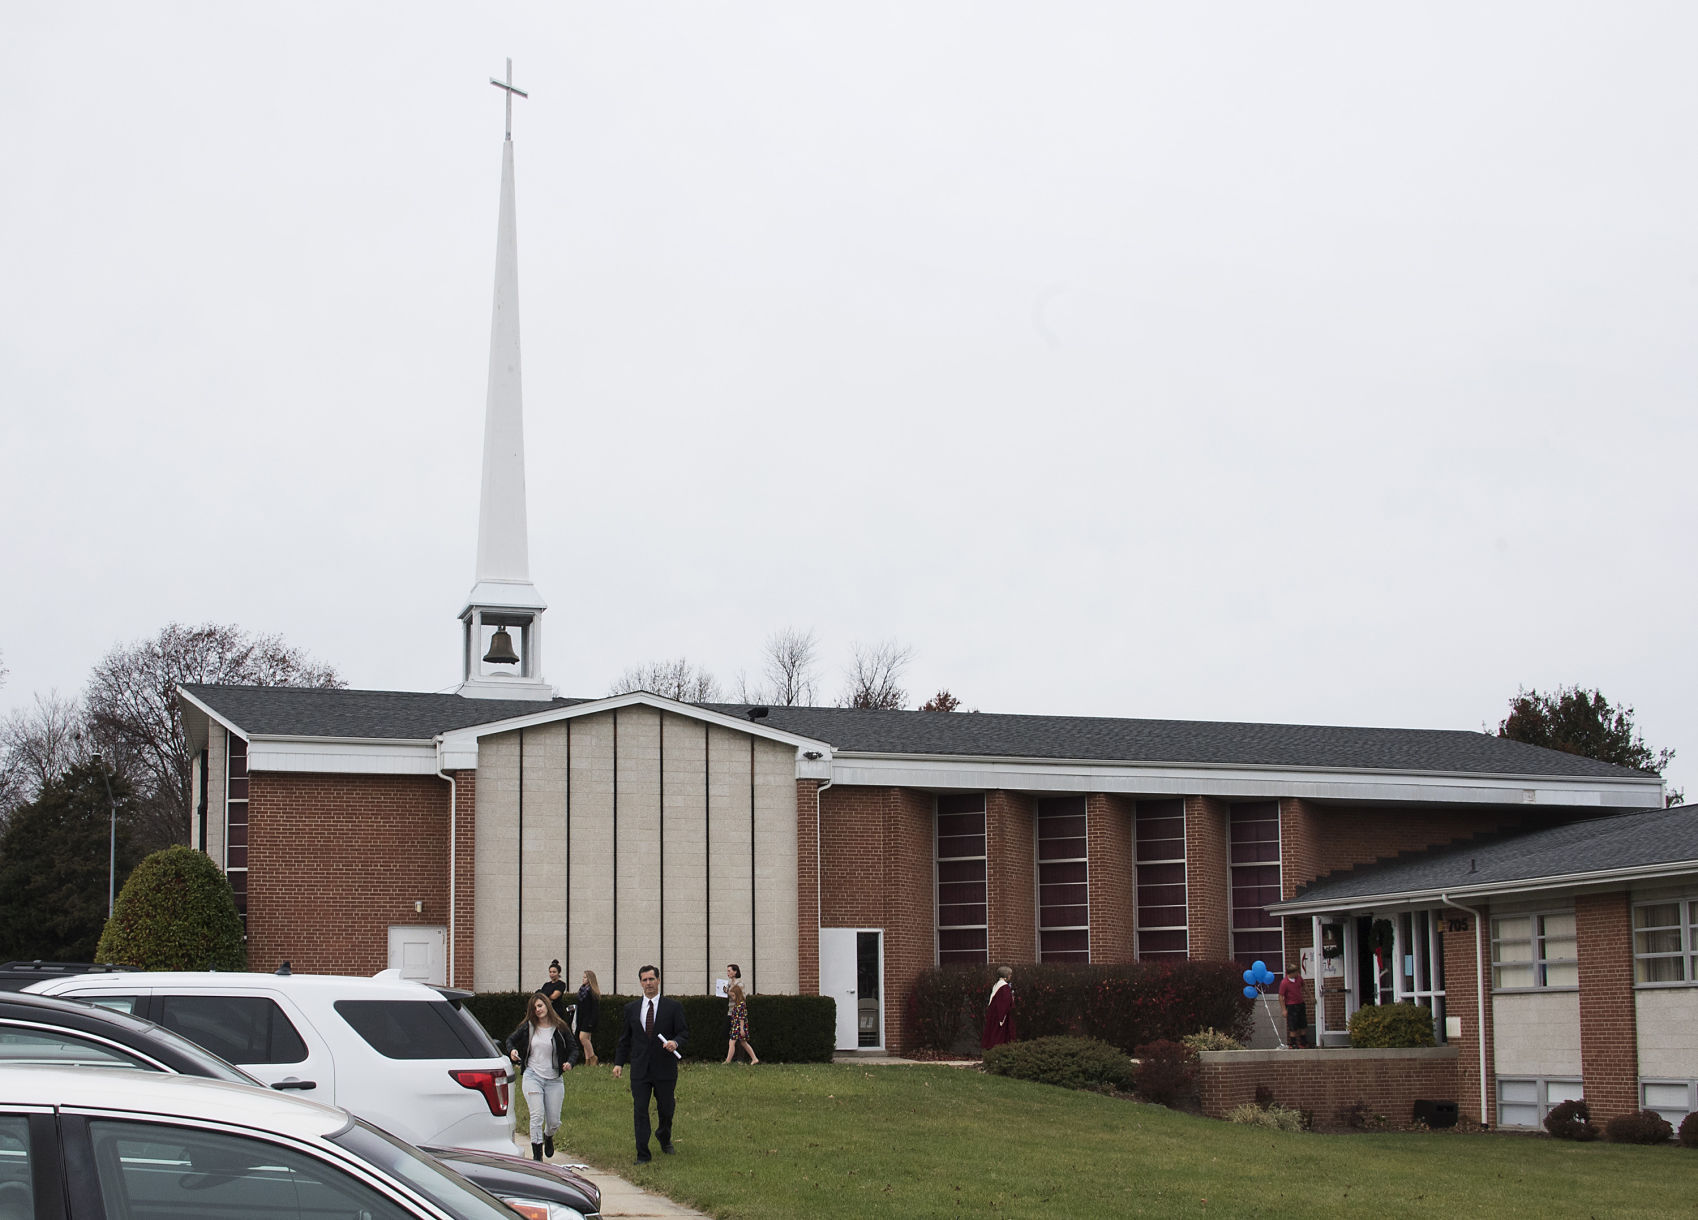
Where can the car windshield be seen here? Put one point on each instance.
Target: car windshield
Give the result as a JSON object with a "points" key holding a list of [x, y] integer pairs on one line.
{"points": [[435, 1181]]}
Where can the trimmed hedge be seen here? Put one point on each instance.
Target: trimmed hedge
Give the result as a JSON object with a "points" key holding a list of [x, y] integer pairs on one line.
{"points": [[1071, 1063], [1389, 1026], [1571, 1120], [782, 1028], [1645, 1127], [1125, 1006]]}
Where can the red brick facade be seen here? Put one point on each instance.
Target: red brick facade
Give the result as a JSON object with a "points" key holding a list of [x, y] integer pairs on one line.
{"points": [[1464, 970], [1011, 837], [1609, 1042], [1108, 833], [807, 886], [1207, 896], [876, 871], [314, 895]]}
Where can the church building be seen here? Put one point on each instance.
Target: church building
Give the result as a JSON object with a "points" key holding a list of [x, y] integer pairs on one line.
{"points": [[469, 838]]}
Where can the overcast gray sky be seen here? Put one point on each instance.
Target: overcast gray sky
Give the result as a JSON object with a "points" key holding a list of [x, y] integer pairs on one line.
{"points": [[1304, 363]]}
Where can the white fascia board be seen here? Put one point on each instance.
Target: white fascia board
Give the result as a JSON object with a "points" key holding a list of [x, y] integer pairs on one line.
{"points": [[1224, 780], [459, 748], [195, 741], [1601, 879], [342, 755]]}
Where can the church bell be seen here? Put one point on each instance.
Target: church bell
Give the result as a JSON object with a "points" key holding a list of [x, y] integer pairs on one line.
{"points": [[501, 649]]}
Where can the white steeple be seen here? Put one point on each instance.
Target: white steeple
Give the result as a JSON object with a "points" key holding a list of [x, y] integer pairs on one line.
{"points": [[503, 604]]}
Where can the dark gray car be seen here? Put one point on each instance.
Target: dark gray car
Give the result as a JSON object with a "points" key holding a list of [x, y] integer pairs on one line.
{"points": [[42, 1029]]}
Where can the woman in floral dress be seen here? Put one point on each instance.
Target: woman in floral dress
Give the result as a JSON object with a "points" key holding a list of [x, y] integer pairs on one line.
{"points": [[738, 1013]]}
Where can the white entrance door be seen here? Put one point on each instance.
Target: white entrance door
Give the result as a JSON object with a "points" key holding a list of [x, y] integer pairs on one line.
{"points": [[420, 954], [851, 973]]}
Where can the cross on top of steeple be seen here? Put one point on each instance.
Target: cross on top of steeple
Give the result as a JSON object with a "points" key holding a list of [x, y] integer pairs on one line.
{"points": [[511, 90]]}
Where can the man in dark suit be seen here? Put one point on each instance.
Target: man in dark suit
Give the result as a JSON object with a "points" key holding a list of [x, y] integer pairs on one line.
{"points": [[651, 1040]]}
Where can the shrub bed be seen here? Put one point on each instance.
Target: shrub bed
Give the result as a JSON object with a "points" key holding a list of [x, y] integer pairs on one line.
{"points": [[783, 1028], [1072, 1063], [1571, 1120], [1166, 1072], [1688, 1134], [1645, 1127], [1126, 1006], [1391, 1026]]}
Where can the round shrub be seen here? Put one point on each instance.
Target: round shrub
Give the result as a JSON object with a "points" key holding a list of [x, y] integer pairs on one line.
{"points": [[1072, 1063], [1391, 1026], [1688, 1133], [1571, 1120], [1645, 1127], [176, 912]]}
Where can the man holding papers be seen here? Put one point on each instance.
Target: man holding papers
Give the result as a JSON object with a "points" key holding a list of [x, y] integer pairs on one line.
{"points": [[651, 1040]]}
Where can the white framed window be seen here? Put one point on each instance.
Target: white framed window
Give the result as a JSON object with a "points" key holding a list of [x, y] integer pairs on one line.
{"points": [[1525, 1101], [1533, 951], [1673, 1099], [1665, 941]]}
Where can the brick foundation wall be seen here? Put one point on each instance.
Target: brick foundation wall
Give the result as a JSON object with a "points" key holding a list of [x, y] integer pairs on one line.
{"points": [[1108, 837], [1011, 838], [1609, 1037], [1207, 904], [334, 860], [807, 887], [876, 852], [1326, 1083]]}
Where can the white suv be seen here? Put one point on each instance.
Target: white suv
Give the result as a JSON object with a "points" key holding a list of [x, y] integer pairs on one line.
{"points": [[395, 1052]]}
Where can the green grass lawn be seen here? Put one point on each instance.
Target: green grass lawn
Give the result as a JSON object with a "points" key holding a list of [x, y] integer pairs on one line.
{"points": [[838, 1140]]}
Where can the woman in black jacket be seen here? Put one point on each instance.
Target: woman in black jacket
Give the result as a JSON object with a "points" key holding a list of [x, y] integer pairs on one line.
{"points": [[543, 1051], [589, 1012]]}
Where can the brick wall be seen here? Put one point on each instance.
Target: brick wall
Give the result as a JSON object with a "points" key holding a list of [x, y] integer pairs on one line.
{"points": [[1108, 831], [1207, 906], [1387, 1082], [1609, 1038], [1345, 836], [876, 853], [807, 887], [462, 957], [1011, 872], [1461, 986], [335, 859]]}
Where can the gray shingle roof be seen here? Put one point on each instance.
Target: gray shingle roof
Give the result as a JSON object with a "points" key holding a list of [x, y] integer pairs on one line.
{"points": [[1623, 841], [405, 715], [1224, 743], [293, 711]]}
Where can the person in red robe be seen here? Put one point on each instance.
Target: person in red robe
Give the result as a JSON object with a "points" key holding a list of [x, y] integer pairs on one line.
{"points": [[999, 1012]]}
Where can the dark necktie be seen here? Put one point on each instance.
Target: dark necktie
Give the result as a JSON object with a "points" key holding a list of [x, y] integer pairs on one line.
{"points": [[648, 1019]]}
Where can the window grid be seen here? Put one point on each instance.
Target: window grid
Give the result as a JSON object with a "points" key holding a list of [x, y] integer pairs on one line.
{"points": [[1525, 1101], [962, 922], [1064, 907], [1665, 941], [1534, 951], [1158, 845], [1253, 851], [236, 822], [1673, 1099]]}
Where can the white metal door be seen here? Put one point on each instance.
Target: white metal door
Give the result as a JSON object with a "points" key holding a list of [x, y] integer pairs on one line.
{"points": [[837, 980], [420, 954]]}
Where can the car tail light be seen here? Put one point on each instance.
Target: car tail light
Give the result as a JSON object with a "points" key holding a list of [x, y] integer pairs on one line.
{"points": [[493, 1086]]}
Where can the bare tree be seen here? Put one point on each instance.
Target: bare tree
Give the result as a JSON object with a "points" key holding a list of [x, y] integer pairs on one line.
{"points": [[136, 720], [789, 663], [873, 673], [678, 679], [38, 745]]}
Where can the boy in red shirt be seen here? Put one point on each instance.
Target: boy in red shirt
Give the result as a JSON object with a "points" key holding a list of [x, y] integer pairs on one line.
{"points": [[1296, 1011]]}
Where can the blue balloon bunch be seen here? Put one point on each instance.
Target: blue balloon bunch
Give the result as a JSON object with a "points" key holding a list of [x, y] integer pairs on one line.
{"points": [[1258, 973]]}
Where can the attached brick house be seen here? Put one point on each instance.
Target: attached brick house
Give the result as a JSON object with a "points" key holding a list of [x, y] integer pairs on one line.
{"points": [[826, 850], [1565, 959]]}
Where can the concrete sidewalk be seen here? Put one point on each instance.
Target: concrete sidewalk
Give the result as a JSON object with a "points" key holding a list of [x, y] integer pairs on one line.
{"points": [[619, 1198]]}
